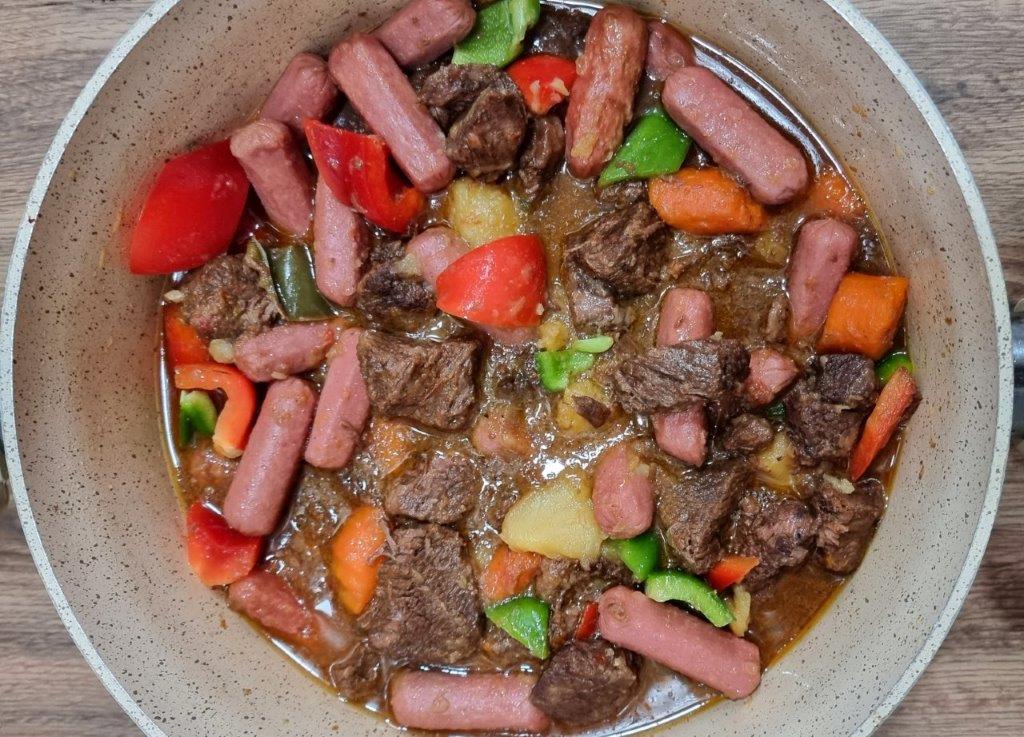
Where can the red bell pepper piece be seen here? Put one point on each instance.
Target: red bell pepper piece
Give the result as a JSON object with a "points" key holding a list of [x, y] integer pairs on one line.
{"points": [[897, 396], [544, 79], [183, 342], [501, 284], [218, 555], [588, 622], [359, 171], [235, 419], [730, 570], [191, 212]]}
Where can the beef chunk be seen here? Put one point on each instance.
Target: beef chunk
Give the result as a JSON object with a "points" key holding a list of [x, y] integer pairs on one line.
{"points": [[624, 249], [502, 650], [229, 297], [397, 299], [513, 370], [350, 119], [623, 193], [592, 410], [847, 379], [559, 32], [568, 587], [587, 681], [591, 303], [821, 430], [748, 433], [425, 609], [436, 488], [450, 90], [847, 518], [356, 676], [484, 141], [674, 376], [542, 153], [778, 531], [421, 380], [694, 512]]}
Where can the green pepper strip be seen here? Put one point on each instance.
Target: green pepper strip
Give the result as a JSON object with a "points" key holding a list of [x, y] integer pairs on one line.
{"points": [[292, 271], [196, 414], [557, 367], [687, 588], [525, 618], [497, 37], [655, 146], [891, 363], [640, 554]]}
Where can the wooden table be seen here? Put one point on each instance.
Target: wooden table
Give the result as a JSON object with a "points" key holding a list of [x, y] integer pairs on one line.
{"points": [[970, 57]]}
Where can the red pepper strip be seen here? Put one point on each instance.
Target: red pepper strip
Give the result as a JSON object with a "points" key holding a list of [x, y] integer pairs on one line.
{"points": [[896, 398], [588, 622], [358, 170], [501, 284], [545, 80], [730, 570], [232, 429], [218, 555], [183, 343], [191, 212]]}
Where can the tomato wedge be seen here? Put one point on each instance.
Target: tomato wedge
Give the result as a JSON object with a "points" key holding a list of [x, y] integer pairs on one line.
{"points": [[218, 555], [183, 342], [544, 79], [359, 171], [191, 212], [235, 419], [501, 284]]}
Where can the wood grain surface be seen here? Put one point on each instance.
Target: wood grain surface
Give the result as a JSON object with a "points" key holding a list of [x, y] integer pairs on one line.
{"points": [[969, 55]]}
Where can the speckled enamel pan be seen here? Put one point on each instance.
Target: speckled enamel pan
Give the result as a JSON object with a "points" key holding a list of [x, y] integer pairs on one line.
{"points": [[78, 373]]}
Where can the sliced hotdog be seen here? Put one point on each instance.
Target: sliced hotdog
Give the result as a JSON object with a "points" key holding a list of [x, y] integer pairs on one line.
{"points": [[284, 350], [686, 314], [770, 373], [667, 50], [680, 641], [380, 92], [341, 242], [343, 409], [424, 29], [823, 254], [273, 162], [436, 249], [623, 494], [735, 134], [601, 103], [492, 702], [304, 90], [264, 477]]}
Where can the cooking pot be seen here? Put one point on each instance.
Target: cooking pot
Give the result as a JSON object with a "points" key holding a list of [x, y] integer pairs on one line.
{"points": [[79, 342]]}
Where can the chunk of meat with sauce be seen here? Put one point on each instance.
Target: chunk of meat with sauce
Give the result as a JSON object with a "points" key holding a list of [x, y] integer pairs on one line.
{"points": [[587, 681], [674, 376], [425, 609], [770, 373], [485, 140], [449, 91], [560, 31], [624, 249], [847, 519], [778, 531], [228, 297], [568, 587], [693, 512], [433, 383], [591, 303], [823, 254], [747, 433], [847, 379], [542, 153], [395, 295], [437, 488]]}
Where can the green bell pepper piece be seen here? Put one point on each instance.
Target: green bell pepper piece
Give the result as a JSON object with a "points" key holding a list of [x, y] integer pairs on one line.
{"points": [[892, 362], [655, 146], [687, 588], [292, 270], [497, 37], [525, 618], [776, 411], [596, 344], [557, 367], [640, 554], [196, 414]]}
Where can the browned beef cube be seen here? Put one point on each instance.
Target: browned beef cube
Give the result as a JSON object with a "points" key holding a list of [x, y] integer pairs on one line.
{"points": [[542, 152], [586, 682], [847, 379], [228, 297], [748, 433], [821, 430], [485, 140], [436, 488], [847, 519], [449, 91], [777, 530], [592, 304]]}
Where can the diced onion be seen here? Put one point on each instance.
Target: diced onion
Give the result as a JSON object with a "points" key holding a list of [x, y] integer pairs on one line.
{"points": [[408, 266], [844, 485], [740, 605], [174, 295], [222, 351]]}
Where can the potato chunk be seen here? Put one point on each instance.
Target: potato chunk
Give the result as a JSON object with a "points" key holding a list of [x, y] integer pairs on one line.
{"points": [[556, 520]]}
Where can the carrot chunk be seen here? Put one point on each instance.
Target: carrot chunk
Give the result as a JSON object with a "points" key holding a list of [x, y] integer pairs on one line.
{"points": [[706, 202], [831, 194], [508, 573], [356, 554], [898, 396], [864, 315]]}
